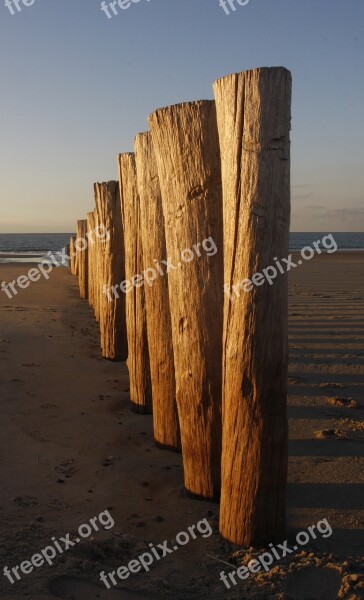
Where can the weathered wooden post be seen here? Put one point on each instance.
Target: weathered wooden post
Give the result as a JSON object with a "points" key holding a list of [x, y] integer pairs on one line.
{"points": [[165, 416], [93, 271], [91, 257], [253, 111], [72, 255], [82, 257], [186, 144], [136, 322], [112, 270], [97, 261]]}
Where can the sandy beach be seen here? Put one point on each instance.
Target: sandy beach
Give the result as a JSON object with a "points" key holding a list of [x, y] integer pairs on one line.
{"points": [[72, 448]]}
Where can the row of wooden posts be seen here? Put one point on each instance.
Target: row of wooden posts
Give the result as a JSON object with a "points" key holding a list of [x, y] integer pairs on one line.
{"points": [[212, 371]]}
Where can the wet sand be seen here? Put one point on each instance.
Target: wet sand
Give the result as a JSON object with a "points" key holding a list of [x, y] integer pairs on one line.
{"points": [[71, 448]]}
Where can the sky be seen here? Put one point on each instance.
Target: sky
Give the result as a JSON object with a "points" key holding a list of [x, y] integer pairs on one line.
{"points": [[76, 87]]}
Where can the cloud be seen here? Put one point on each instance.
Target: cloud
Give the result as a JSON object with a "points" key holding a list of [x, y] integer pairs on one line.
{"points": [[302, 195], [346, 214], [302, 185], [303, 191], [314, 206]]}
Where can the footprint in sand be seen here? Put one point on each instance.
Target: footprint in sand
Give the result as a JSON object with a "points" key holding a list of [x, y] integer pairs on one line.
{"points": [[39, 436], [342, 402], [354, 425], [25, 501], [313, 584], [71, 588], [107, 462], [294, 380], [331, 434], [332, 385], [66, 467]]}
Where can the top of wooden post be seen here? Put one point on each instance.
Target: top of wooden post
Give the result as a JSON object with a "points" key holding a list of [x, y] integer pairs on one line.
{"points": [[257, 71]]}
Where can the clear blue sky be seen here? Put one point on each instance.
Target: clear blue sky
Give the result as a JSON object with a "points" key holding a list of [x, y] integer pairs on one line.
{"points": [[76, 87]]}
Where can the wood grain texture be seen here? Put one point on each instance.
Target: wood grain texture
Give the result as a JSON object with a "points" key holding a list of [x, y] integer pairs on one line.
{"points": [[165, 416], [90, 217], [82, 257], [185, 140], [111, 271], [253, 112], [136, 320], [72, 255], [97, 265]]}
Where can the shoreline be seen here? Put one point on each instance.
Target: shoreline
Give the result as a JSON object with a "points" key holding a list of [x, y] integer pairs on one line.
{"points": [[24, 259]]}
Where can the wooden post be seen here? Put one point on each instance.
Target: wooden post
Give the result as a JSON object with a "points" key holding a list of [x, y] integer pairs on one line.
{"points": [[72, 255], [112, 270], [91, 257], [165, 417], [253, 111], [82, 257], [97, 261], [136, 323], [186, 144]]}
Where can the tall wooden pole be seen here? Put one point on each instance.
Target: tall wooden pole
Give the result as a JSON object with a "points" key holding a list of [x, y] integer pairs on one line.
{"points": [[165, 417], [82, 257], [72, 255], [136, 322], [97, 256], [186, 144], [91, 258], [254, 114], [112, 271]]}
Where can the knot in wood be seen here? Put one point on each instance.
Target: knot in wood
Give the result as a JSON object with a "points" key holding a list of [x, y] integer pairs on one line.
{"points": [[197, 193]]}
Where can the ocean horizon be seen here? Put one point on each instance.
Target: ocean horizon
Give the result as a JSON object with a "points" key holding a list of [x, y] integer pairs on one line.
{"points": [[30, 247]]}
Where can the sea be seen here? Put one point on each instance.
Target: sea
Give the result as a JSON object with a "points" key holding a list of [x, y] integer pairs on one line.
{"points": [[33, 247]]}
